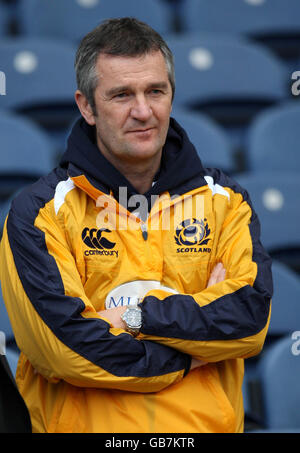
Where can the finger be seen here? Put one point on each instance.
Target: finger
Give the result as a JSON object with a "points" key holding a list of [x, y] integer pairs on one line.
{"points": [[217, 274], [213, 276], [221, 275], [211, 280]]}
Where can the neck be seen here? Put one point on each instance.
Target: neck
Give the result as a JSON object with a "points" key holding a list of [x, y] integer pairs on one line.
{"points": [[140, 174]]}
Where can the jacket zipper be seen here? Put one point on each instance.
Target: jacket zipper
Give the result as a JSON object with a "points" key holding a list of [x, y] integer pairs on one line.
{"points": [[144, 230]]}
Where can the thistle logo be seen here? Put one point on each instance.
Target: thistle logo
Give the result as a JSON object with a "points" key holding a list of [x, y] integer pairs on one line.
{"points": [[192, 232], [101, 245]]}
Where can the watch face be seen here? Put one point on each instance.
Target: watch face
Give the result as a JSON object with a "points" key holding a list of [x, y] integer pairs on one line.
{"points": [[133, 317]]}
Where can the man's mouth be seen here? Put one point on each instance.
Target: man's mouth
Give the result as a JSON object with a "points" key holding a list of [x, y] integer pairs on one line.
{"points": [[141, 131]]}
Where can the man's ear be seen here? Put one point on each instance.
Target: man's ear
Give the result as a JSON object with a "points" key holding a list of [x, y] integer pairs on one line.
{"points": [[84, 107]]}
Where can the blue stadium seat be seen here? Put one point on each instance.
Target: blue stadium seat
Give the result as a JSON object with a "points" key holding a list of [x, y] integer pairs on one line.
{"points": [[40, 80], [275, 196], [72, 19], [273, 22], [12, 357], [4, 209], [275, 431], [4, 20], [209, 138], [38, 71], [26, 153], [286, 301], [279, 373], [273, 139], [228, 78], [5, 204]]}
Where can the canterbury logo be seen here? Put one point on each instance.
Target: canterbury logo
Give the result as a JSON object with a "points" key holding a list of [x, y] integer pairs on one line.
{"points": [[93, 238]]}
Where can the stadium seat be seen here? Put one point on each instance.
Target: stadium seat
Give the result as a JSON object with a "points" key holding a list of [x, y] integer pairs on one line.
{"points": [[286, 301], [72, 19], [5, 204], [12, 357], [230, 78], [275, 431], [273, 140], [4, 20], [272, 22], [38, 71], [26, 153], [275, 196], [279, 373], [40, 80], [210, 140], [176, 8], [4, 208]]}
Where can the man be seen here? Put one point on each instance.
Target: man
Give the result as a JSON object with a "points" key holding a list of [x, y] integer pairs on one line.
{"points": [[113, 266]]}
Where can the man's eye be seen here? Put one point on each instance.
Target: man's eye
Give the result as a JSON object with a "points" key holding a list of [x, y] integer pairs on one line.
{"points": [[121, 95]]}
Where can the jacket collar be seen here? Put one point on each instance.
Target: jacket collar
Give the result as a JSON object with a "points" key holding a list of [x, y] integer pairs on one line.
{"points": [[180, 170]]}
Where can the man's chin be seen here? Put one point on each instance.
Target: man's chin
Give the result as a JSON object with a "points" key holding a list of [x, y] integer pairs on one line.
{"points": [[143, 154]]}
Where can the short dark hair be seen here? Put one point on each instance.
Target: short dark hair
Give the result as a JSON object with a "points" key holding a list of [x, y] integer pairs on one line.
{"points": [[126, 36]]}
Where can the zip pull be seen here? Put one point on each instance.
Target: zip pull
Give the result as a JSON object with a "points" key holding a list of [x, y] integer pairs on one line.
{"points": [[144, 231]]}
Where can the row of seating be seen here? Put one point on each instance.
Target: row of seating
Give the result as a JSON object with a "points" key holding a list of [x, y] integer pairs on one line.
{"points": [[52, 18], [262, 410], [278, 386], [218, 77], [271, 142], [216, 62], [273, 21]]}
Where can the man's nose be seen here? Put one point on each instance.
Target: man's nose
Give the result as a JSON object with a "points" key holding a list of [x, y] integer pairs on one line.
{"points": [[141, 110]]}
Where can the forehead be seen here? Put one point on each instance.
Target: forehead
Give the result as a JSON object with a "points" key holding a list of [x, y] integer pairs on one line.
{"points": [[113, 69]]}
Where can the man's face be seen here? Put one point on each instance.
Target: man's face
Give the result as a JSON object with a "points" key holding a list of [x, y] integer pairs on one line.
{"points": [[133, 105]]}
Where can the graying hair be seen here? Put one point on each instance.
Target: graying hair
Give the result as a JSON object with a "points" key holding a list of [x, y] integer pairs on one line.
{"points": [[121, 37]]}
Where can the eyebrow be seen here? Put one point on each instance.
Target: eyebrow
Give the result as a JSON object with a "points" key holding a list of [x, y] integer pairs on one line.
{"points": [[116, 90]]}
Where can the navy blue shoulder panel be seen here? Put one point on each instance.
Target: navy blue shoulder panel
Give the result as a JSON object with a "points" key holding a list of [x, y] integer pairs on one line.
{"points": [[39, 274], [219, 177]]}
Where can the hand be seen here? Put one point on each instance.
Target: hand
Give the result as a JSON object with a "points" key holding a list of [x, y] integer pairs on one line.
{"points": [[217, 275], [113, 315]]}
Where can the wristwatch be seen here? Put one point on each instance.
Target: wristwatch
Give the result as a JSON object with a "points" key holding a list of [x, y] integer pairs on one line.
{"points": [[132, 317]]}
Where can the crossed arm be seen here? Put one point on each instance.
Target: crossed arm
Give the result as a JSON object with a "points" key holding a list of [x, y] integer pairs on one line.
{"points": [[68, 340], [114, 314]]}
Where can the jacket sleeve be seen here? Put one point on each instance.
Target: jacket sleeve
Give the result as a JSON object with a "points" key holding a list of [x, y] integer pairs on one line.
{"points": [[55, 324], [229, 319]]}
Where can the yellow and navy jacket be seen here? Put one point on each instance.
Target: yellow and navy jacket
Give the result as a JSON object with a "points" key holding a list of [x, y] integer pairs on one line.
{"points": [[75, 244]]}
